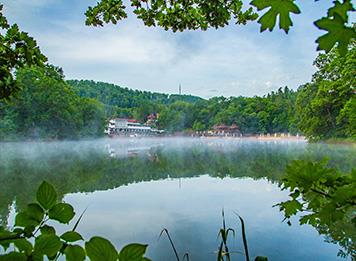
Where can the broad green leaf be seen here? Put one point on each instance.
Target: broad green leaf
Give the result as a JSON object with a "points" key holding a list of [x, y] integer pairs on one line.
{"points": [[35, 212], [47, 230], [31, 216], [23, 246], [74, 253], [132, 252], [37, 256], [17, 231], [337, 32], [5, 234], [28, 230], [99, 249], [47, 245], [46, 195], [281, 8], [71, 236], [61, 212], [23, 220], [14, 256]]}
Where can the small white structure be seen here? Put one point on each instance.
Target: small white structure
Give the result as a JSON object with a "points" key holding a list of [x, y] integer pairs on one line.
{"points": [[129, 127]]}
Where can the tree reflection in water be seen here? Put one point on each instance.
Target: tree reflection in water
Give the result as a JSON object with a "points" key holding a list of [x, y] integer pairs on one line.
{"points": [[326, 199]]}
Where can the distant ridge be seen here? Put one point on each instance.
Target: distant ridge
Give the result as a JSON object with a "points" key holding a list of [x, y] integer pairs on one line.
{"points": [[114, 95]]}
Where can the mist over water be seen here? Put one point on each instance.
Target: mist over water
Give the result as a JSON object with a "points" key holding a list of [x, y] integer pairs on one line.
{"points": [[135, 187]]}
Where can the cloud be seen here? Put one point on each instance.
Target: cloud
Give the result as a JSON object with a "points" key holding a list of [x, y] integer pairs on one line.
{"points": [[107, 47], [236, 60]]}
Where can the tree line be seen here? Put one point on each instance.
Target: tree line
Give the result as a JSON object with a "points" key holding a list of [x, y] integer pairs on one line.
{"points": [[48, 107]]}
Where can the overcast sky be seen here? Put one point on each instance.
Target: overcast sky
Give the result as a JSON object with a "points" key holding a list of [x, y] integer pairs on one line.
{"points": [[236, 60]]}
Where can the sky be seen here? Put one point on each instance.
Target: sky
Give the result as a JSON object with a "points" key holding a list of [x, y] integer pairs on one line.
{"points": [[231, 61]]}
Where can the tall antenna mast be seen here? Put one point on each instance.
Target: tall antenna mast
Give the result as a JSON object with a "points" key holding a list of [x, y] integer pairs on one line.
{"points": [[180, 89]]}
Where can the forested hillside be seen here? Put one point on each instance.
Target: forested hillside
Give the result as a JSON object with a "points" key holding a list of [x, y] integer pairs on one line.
{"points": [[48, 107], [271, 113], [120, 101]]}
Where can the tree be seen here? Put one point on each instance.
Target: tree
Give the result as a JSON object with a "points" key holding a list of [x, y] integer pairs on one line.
{"points": [[17, 49], [180, 15], [324, 106], [325, 199], [47, 107], [347, 118], [176, 117]]}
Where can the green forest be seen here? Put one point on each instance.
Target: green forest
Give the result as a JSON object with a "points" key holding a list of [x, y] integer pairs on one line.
{"points": [[49, 107], [39, 103]]}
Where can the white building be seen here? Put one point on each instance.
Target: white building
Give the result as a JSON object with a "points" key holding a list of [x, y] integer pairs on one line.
{"points": [[129, 127]]}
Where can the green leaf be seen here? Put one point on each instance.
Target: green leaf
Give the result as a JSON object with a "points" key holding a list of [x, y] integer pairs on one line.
{"points": [[281, 8], [5, 244], [23, 246], [23, 220], [37, 256], [46, 195], [47, 230], [308, 219], [337, 32], [71, 236], [47, 245], [29, 230], [74, 253], [31, 216], [61, 212], [295, 194], [5, 234], [35, 211], [341, 9], [14, 256], [291, 207], [132, 252], [99, 249], [17, 231]]}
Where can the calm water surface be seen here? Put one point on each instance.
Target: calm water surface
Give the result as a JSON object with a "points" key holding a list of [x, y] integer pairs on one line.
{"points": [[133, 188]]}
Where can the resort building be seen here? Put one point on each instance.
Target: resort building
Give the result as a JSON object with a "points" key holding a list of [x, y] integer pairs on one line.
{"points": [[129, 127], [224, 130]]}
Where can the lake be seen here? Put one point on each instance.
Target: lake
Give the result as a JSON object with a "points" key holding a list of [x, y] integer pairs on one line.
{"points": [[133, 188]]}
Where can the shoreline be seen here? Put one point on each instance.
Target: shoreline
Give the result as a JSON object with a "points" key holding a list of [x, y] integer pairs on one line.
{"points": [[347, 141]]}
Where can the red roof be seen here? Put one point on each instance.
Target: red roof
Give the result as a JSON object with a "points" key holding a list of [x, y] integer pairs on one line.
{"points": [[220, 127], [125, 119], [224, 127], [234, 127], [151, 116]]}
